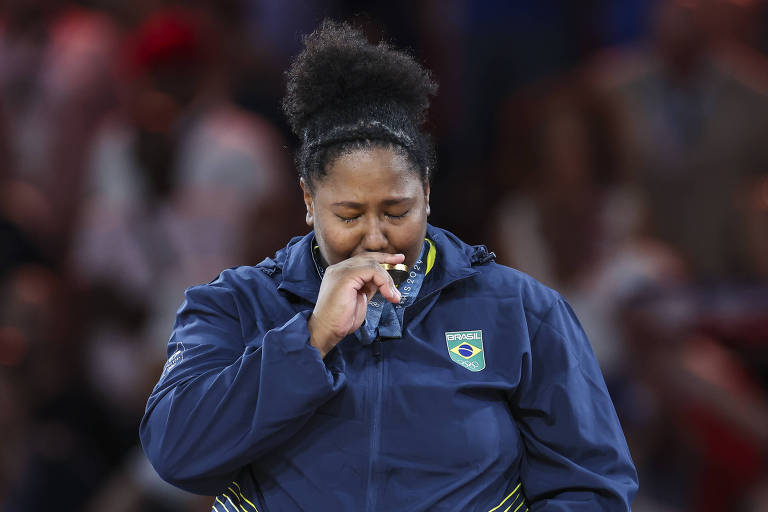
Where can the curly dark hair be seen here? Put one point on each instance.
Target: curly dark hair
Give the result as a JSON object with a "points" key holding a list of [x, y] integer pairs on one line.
{"points": [[344, 94]]}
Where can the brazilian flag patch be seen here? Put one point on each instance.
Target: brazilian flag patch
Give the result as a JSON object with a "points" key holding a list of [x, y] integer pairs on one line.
{"points": [[466, 349]]}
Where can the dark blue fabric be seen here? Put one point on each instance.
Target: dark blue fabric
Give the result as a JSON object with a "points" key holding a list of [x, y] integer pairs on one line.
{"points": [[248, 405]]}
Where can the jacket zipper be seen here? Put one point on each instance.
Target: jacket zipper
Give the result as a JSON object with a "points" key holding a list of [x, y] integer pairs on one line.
{"points": [[378, 384]]}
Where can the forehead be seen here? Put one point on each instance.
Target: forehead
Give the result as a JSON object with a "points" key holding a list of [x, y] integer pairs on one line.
{"points": [[362, 173]]}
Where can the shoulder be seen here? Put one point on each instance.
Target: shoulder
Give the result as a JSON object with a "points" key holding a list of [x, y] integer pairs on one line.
{"points": [[551, 330], [515, 290], [511, 285], [239, 279], [234, 290]]}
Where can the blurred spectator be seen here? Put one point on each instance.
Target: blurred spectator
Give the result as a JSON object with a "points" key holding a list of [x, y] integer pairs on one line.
{"points": [[58, 441], [486, 51], [181, 185], [697, 105], [55, 85], [566, 219], [700, 357]]}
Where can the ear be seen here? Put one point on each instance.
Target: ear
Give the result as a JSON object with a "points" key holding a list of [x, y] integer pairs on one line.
{"points": [[426, 197], [308, 203]]}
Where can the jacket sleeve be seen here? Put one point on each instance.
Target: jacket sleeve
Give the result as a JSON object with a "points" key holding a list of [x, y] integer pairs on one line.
{"points": [[222, 400], [576, 457]]}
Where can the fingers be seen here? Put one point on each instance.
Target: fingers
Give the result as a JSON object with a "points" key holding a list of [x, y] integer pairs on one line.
{"points": [[365, 273], [342, 300], [384, 283], [383, 257]]}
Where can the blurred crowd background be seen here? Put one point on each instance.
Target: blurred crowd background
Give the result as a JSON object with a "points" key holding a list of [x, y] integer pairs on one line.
{"points": [[616, 150]]}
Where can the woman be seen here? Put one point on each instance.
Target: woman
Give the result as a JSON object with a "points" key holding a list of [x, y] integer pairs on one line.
{"points": [[312, 382]]}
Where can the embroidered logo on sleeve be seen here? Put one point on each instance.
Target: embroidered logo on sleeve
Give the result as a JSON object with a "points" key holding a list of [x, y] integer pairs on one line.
{"points": [[175, 358], [466, 349]]}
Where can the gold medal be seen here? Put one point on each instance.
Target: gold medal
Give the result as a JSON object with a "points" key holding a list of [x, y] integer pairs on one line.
{"points": [[399, 272]]}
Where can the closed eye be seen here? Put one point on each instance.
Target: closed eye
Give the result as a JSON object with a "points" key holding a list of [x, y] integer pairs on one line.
{"points": [[400, 216], [348, 220]]}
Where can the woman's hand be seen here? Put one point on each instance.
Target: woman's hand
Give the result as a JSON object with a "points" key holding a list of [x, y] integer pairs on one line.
{"points": [[344, 294]]}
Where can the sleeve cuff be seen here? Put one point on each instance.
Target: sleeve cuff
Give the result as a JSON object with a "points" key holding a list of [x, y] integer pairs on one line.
{"points": [[293, 341]]}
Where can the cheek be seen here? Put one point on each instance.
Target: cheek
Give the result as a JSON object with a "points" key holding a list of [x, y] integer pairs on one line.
{"points": [[337, 241], [410, 236]]}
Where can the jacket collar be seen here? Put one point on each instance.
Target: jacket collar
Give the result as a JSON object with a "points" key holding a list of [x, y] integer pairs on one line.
{"points": [[299, 275], [455, 260]]}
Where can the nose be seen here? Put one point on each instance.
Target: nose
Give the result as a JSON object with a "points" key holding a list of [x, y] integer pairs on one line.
{"points": [[374, 238]]}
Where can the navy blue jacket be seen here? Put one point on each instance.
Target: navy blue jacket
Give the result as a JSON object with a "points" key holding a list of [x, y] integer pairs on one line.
{"points": [[246, 409]]}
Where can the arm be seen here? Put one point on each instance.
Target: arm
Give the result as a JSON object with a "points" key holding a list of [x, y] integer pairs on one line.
{"points": [[223, 401], [576, 457]]}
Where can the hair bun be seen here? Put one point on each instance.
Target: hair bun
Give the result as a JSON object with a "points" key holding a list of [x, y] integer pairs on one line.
{"points": [[338, 66]]}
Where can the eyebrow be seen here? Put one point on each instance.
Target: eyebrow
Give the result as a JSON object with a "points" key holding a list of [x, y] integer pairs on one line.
{"points": [[386, 202]]}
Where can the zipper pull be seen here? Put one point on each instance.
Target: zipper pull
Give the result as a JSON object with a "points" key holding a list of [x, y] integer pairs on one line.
{"points": [[376, 348]]}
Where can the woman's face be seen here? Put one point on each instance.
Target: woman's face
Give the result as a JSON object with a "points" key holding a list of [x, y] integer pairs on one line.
{"points": [[369, 200]]}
